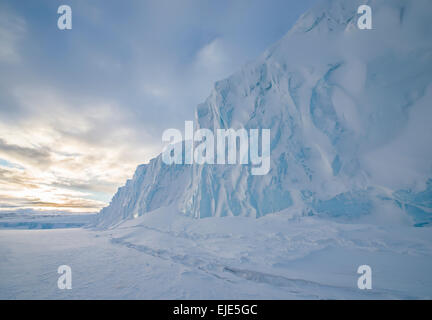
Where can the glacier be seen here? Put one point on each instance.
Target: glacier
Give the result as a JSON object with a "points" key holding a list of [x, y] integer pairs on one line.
{"points": [[350, 183], [349, 112]]}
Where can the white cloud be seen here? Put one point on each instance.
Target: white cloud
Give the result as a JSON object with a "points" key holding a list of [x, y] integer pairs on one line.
{"points": [[64, 144], [215, 60]]}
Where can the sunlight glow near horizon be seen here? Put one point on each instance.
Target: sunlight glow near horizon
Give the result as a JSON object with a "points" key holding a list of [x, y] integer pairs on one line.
{"points": [[81, 108]]}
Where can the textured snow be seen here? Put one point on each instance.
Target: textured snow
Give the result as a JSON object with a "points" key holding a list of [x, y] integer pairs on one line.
{"points": [[349, 113], [166, 255]]}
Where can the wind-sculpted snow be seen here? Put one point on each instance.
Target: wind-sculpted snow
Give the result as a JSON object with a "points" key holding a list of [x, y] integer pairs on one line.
{"points": [[166, 255], [349, 112]]}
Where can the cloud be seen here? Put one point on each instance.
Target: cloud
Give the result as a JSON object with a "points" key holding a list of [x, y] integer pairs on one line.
{"points": [[214, 56], [11, 177], [20, 189], [12, 30], [35, 156], [80, 109], [77, 205], [65, 144]]}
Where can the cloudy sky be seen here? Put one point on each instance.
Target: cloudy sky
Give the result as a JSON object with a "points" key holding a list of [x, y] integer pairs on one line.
{"points": [[81, 108]]}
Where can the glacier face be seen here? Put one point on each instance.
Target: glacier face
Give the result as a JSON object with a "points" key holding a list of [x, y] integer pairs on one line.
{"points": [[349, 112]]}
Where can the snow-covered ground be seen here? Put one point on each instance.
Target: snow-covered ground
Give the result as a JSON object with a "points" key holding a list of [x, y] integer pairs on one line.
{"points": [[165, 255]]}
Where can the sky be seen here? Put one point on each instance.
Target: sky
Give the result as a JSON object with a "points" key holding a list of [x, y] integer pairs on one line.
{"points": [[81, 108]]}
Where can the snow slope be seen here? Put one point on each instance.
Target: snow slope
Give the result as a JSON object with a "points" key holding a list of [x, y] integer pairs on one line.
{"points": [[349, 112]]}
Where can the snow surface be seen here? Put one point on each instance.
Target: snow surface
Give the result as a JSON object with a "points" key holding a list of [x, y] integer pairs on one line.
{"points": [[165, 255]]}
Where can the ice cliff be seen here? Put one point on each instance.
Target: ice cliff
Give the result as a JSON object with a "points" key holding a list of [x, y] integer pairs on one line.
{"points": [[350, 115]]}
